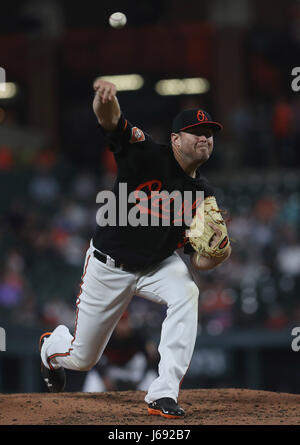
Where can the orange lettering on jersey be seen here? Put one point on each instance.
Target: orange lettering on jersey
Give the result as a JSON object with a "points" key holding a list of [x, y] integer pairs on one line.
{"points": [[136, 135]]}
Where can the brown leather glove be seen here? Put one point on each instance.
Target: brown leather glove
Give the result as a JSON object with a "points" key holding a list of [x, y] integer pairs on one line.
{"points": [[201, 232]]}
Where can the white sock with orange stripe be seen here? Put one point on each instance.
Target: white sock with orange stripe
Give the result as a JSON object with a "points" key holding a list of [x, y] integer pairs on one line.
{"points": [[58, 343]]}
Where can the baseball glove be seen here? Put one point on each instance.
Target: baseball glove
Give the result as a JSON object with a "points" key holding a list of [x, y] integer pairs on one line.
{"points": [[201, 232]]}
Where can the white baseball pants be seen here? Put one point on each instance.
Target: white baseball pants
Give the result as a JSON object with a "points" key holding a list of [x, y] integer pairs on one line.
{"points": [[105, 293]]}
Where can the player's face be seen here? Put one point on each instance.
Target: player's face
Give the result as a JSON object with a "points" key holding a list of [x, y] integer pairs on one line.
{"points": [[197, 142]]}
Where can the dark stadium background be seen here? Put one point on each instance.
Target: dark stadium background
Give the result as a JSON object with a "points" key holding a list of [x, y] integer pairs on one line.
{"points": [[53, 162]]}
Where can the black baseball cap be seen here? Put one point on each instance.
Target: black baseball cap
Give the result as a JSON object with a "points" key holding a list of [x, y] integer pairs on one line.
{"points": [[192, 118]]}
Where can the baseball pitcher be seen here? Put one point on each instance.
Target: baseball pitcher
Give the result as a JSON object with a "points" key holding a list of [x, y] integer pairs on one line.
{"points": [[127, 259]]}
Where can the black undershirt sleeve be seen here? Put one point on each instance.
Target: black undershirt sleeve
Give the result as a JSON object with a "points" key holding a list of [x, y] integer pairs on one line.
{"points": [[116, 139]]}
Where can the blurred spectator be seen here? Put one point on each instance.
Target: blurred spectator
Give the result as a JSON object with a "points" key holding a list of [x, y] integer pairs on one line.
{"points": [[43, 19], [266, 75], [265, 209], [59, 238], [290, 210], [6, 158], [129, 361], [282, 118], [17, 136], [289, 259], [276, 317], [27, 312], [57, 311], [74, 250], [11, 289], [215, 307], [294, 21], [15, 261], [282, 126], [16, 216], [46, 159], [44, 187], [72, 217], [84, 186], [241, 120]]}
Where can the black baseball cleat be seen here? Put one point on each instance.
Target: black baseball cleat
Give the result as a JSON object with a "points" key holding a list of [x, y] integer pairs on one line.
{"points": [[55, 379], [165, 407]]}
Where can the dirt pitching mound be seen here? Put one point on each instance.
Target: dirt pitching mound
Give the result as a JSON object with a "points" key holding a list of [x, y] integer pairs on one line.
{"points": [[202, 407]]}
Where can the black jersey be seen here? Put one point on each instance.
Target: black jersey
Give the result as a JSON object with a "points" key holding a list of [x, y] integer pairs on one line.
{"points": [[144, 165]]}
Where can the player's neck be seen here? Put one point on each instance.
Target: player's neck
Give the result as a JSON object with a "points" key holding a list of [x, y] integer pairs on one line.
{"points": [[188, 167]]}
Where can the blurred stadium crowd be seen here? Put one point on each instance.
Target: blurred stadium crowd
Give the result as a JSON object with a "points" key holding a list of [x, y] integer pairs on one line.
{"points": [[48, 203], [48, 210]]}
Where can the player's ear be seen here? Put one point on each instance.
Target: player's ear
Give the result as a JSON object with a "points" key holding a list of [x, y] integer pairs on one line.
{"points": [[175, 140]]}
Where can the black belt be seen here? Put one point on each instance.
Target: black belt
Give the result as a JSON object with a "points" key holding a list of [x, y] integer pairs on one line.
{"points": [[103, 258]]}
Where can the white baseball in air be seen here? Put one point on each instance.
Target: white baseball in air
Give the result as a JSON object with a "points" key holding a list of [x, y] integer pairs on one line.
{"points": [[117, 20]]}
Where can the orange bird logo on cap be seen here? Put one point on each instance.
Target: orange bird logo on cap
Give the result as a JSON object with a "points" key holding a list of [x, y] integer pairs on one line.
{"points": [[201, 116]]}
